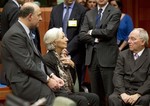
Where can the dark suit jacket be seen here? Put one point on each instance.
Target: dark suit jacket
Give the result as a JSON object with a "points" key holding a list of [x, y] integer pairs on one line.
{"points": [[107, 49], [74, 47], [22, 65], [132, 76], [9, 16], [52, 62]]}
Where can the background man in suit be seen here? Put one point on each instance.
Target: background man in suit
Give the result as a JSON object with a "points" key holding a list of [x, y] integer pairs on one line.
{"points": [[25, 71], [132, 74], [99, 33], [75, 17], [9, 15]]}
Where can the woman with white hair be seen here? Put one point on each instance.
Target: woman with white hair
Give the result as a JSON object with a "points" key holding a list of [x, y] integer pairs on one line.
{"points": [[57, 60]]}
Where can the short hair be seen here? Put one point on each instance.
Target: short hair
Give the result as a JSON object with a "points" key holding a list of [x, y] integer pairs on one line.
{"points": [[50, 36], [26, 10], [143, 34], [119, 3]]}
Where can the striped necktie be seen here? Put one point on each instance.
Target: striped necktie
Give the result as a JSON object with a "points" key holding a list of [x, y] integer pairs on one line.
{"points": [[98, 18], [65, 21]]}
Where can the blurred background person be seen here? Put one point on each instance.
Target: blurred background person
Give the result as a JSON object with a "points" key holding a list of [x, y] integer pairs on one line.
{"points": [[82, 2], [125, 27], [90, 4], [9, 15]]}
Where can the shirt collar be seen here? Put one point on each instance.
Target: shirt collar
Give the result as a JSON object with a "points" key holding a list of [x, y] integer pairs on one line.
{"points": [[25, 27], [71, 6], [102, 7], [140, 52]]}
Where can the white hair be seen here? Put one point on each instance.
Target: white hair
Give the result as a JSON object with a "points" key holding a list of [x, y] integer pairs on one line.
{"points": [[50, 36]]}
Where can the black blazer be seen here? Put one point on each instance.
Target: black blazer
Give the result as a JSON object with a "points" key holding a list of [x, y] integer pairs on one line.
{"points": [[22, 65], [131, 75], [107, 48], [52, 62], [9, 16], [74, 47]]}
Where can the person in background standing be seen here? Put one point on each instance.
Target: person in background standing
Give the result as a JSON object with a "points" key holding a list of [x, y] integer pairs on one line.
{"points": [[9, 15], [99, 32], [125, 27], [90, 4]]}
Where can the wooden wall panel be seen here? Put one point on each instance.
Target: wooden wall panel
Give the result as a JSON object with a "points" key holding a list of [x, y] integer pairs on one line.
{"points": [[43, 27]]}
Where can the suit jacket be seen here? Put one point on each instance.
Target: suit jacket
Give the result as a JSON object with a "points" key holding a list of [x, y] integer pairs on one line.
{"points": [[132, 76], [52, 62], [22, 64], [74, 47], [9, 16], [107, 49]]}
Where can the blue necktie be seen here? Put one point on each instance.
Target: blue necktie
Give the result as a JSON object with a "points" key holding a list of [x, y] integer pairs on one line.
{"points": [[98, 18], [65, 21]]}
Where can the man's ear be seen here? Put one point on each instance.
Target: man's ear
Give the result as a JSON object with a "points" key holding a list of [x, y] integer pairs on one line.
{"points": [[30, 16]]}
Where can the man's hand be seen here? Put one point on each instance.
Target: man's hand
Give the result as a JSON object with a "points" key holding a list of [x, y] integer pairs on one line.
{"points": [[58, 80], [125, 97], [55, 83], [134, 98]]}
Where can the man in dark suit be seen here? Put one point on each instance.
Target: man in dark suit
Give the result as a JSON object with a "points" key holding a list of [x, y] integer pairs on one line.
{"points": [[9, 15], [99, 33], [26, 73], [132, 73], [75, 17]]}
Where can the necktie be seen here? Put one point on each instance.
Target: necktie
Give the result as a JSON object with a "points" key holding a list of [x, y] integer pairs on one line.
{"points": [[98, 18], [32, 36], [136, 56], [65, 20]]}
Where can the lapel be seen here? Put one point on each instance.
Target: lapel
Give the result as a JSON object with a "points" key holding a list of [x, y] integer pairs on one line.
{"points": [[141, 60], [28, 39], [60, 14], [94, 15], [136, 64], [105, 14], [74, 12], [131, 60]]}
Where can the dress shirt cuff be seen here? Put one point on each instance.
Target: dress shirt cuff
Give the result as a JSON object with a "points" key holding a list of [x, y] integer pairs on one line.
{"points": [[48, 78], [90, 32]]}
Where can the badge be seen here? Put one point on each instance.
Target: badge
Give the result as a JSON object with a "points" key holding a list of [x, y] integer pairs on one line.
{"points": [[72, 23]]}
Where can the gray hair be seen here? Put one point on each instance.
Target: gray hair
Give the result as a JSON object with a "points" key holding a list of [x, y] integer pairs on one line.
{"points": [[143, 34], [50, 36]]}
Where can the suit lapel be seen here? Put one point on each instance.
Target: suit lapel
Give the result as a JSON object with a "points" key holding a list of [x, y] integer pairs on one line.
{"points": [[105, 14], [74, 12], [94, 15], [131, 60], [30, 42], [141, 60], [60, 14]]}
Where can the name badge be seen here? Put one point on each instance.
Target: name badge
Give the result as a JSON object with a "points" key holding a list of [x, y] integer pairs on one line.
{"points": [[72, 23]]}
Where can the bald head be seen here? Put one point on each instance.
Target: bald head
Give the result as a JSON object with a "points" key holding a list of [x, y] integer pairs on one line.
{"points": [[27, 8], [30, 14]]}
